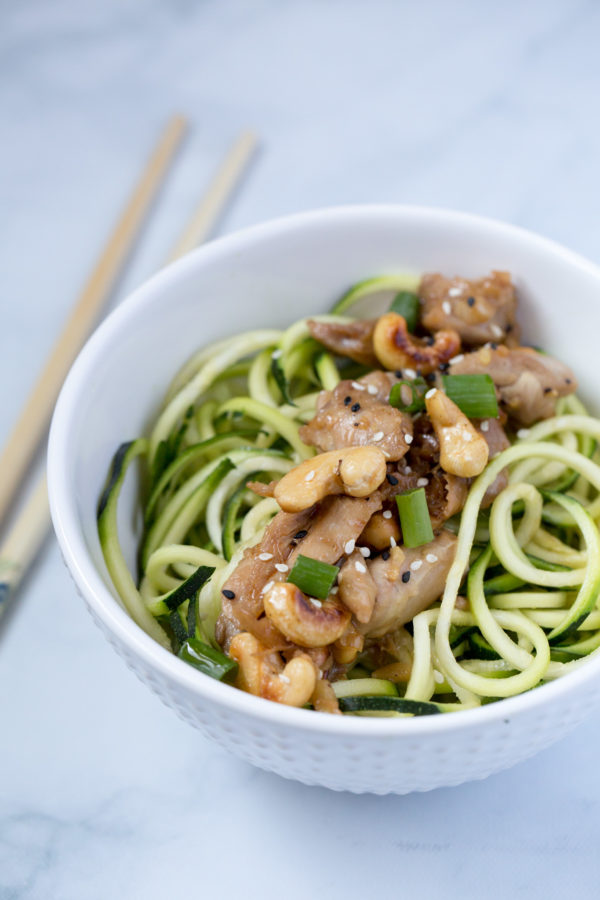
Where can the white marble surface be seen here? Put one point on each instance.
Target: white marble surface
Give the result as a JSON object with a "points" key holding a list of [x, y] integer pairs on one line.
{"points": [[486, 107]]}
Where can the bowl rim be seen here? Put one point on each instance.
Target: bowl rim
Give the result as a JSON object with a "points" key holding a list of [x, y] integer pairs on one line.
{"points": [[107, 608]]}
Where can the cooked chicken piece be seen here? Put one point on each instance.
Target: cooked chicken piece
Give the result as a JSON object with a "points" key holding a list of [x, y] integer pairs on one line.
{"points": [[340, 521], [408, 581], [354, 339], [528, 382], [242, 598], [356, 587], [480, 311], [493, 432], [445, 494], [351, 415]]}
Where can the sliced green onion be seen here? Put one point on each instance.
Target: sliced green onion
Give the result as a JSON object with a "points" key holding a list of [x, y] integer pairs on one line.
{"points": [[406, 304], [475, 395], [414, 518], [313, 577], [417, 388], [205, 659]]}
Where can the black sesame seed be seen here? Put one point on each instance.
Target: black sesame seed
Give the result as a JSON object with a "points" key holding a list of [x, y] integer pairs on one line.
{"points": [[385, 554], [355, 407], [229, 594], [355, 424], [508, 329], [300, 534], [567, 381], [398, 373], [347, 400], [406, 577], [471, 301], [392, 479], [547, 390], [444, 367], [429, 341], [494, 345]]}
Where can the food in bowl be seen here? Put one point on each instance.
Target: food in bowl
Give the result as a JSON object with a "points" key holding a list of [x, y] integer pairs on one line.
{"points": [[381, 516]]}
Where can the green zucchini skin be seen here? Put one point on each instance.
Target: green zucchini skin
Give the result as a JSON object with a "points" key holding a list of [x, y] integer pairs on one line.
{"points": [[117, 469], [388, 704]]}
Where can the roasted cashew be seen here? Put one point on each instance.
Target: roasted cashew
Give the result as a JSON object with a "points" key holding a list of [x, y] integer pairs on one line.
{"points": [[357, 590], [463, 450], [258, 675], [396, 348], [355, 471], [309, 623]]}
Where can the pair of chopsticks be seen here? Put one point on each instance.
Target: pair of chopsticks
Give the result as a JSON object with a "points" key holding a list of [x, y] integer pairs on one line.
{"points": [[32, 524]]}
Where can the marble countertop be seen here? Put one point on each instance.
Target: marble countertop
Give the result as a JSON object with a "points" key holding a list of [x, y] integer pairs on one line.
{"points": [[490, 108]]}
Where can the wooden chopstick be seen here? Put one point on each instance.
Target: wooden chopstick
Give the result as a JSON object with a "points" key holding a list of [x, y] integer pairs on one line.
{"points": [[33, 522], [33, 422], [216, 198]]}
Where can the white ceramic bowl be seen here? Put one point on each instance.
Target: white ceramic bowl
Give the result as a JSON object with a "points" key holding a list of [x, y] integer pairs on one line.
{"points": [[271, 275]]}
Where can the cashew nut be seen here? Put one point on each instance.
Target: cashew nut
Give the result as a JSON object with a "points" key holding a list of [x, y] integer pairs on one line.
{"points": [[355, 471], [463, 450], [309, 623], [396, 348], [379, 530], [259, 675], [324, 699]]}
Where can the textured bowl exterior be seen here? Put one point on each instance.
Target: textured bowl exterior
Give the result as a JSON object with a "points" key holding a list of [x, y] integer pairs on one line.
{"points": [[341, 753]]}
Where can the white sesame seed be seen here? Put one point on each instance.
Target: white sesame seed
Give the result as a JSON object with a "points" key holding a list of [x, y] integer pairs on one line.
{"points": [[408, 469], [359, 567], [496, 330], [485, 426], [438, 677], [378, 436], [358, 387], [416, 564], [387, 514], [467, 436], [267, 587], [281, 567], [410, 373], [365, 551], [408, 438], [316, 602], [265, 556], [430, 393], [422, 482], [334, 589], [431, 557], [446, 307], [310, 475], [372, 389], [276, 354], [455, 292], [456, 359], [523, 433], [349, 547], [284, 678], [392, 542]]}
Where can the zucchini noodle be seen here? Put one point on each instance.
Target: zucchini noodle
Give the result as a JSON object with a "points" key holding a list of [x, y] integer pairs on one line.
{"points": [[520, 605]]}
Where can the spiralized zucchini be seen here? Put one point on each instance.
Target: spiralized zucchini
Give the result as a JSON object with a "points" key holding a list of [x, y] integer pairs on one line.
{"points": [[529, 568]]}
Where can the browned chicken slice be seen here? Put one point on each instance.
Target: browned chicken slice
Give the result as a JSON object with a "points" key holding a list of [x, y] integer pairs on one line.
{"points": [[528, 382], [353, 339], [242, 599], [480, 311], [340, 520], [445, 494], [356, 414], [408, 582], [493, 432], [356, 587]]}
